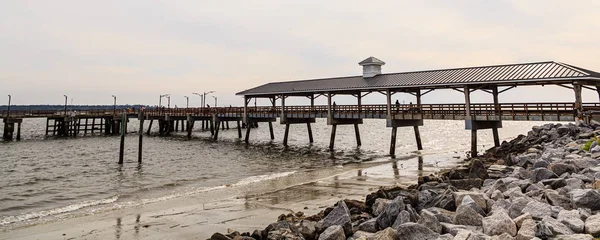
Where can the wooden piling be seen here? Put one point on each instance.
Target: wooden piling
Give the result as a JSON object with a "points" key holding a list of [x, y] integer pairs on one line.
{"points": [[247, 132], [47, 126], [239, 128], [358, 142], [85, 129], [93, 124], [473, 142], [140, 133], [18, 131], [393, 142], [150, 126], [176, 125], [189, 126], [227, 124], [418, 138], [122, 145], [285, 135], [217, 123], [496, 137], [271, 131], [212, 130], [310, 135], [332, 139]]}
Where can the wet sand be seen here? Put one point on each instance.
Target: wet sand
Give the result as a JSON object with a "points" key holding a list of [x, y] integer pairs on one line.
{"points": [[242, 208]]}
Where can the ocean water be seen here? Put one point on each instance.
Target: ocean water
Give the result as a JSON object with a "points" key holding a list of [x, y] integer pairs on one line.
{"points": [[45, 177]]}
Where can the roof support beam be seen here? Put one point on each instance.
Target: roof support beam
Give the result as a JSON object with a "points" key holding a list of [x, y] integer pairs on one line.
{"points": [[456, 89], [589, 88], [430, 90], [506, 89], [562, 85]]}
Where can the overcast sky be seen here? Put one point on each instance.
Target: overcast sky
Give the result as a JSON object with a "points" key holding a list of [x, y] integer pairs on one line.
{"points": [[138, 50]]}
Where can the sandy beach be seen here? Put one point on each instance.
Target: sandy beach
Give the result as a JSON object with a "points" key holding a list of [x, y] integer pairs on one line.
{"points": [[242, 208]]}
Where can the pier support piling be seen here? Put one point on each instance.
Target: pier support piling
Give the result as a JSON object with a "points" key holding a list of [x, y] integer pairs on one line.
{"points": [[247, 132], [18, 131], [310, 135], [189, 126], [239, 129], [122, 145], [332, 139], [140, 137], [357, 133], [473, 142], [393, 142], [217, 123], [496, 137], [273, 135], [150, 126], [285, 135], [418, 138]]}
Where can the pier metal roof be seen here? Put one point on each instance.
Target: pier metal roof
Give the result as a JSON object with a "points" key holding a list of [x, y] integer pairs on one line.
{"points": [[496, 75]]}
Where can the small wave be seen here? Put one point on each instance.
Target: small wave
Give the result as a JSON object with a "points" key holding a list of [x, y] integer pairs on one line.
{"points": [[68, 208], [261, 178]]}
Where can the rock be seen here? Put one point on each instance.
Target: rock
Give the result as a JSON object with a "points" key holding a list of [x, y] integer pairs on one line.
{"points": [[443, 200], [462, 235], [403, 217], [466, 184], [283, 233], [595, 149], [556, 199], [555, 210], [369, 226], [571, 219], [243, 238], [360, 235], [574, 237], [334, 232], [582, 177], [379, 206], [541, 174], [478, 170], [385, 234], [540, 164], [519, 220], [452, 228], [560, 168], [446, 236], [219, 236], [502, 203], [543, 230], [592, 225], [584, 213], [307, 229], [499, 223], [554, 183], [527, 230], [537, 210], [390, 213], [281, 225], [504, 236], [497, 195], [514, 193], [429, 220], [586, 198], [476, 196], [465, 215], [517, 206], [557, 227], [414, 217], [340, 215], [478, 236], [414, 231], [468, 201]]}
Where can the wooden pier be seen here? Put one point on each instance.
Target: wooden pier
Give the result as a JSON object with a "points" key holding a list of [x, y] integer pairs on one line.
{"points": [[477, 116]]}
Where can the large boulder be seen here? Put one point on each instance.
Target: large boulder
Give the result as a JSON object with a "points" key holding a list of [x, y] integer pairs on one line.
{"points": [[403, 217], [556, 199], [379, 206], [476, 196], [478, 170], [385, 234], [592, 225], [520, 219], [307, 229], [517, 206], [560, 168], [414, 231], [468, 201], [334, 232], [585, 198], [369, 226], [571, 219], [499, 223], [540, 174], [390, 213], [465, 215], [429, 220], [537, 209], [340, 215], [527, 230], [557, 227], [281, 225]]}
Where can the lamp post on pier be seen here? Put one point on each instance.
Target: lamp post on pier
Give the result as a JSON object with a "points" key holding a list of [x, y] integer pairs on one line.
{"points": [[160, 99], [201, 99], [114, 104], [206, 93], [215, 100], [187, 102], [65, 104], [8, 110], [168, 101]]}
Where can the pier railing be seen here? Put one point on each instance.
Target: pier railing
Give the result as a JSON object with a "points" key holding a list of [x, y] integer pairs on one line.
{"points": [[515, 111]]}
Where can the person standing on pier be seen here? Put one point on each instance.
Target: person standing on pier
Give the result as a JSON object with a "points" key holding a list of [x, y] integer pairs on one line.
{"points": [[397, 105]]}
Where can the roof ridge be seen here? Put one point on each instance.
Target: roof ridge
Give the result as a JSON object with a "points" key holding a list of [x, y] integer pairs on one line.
{"points": [[578, 69]]}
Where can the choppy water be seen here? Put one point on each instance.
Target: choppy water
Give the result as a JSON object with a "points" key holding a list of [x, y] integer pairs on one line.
{"points": [[43, 177]]}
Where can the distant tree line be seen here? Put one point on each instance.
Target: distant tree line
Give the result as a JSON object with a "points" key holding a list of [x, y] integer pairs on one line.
{"points": [[69, 107]]}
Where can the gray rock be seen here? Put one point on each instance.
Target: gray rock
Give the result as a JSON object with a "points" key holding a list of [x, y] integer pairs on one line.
{"points": [[279, 226], [592, 225], [560, 168], [334, 232], [379, 206], [555, 211], [504, 236], [442, 215], [540, 164], [499, 223], [478, 236], [429, 220], [446, 236], [586, 198], [517, 206], [534, 187], [465, 215], [360, 235], [368, 226], [543, 230], [574, 237], [574, 183], [478, 170], [219, 236], [584, 213], [556, 199], [283, 233], [582, 177], [452, 228], [462, 235], [307, 229], [476, 196], [413, 231], [537, 210], [414, 217], [402, 218], [385, 234], [389, 215], [519, 220], [469, 202], [541, 174], [497, 195], [340, 215], [527, 230], [514, 192], [571, 219], [502, 203], [557, 227]]}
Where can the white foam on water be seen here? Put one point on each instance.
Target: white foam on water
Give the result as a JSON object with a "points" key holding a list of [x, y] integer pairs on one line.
{"points": [[260, 178], [55, 211]]}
